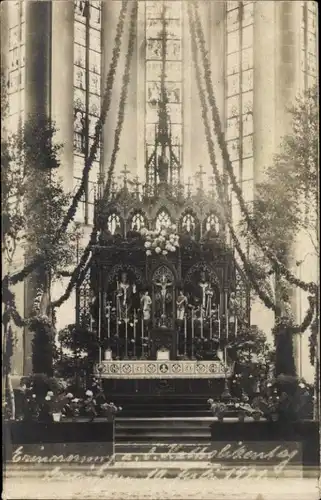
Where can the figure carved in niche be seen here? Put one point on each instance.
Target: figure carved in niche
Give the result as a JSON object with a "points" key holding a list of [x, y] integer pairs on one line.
{"points": [[207, 294], [79, 135], [124, 295], [146, 305], [163, 166]]}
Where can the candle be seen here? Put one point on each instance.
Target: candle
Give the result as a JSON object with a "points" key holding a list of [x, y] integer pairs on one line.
{"points": [[227, 316], [235, 326], [99, 324], [192, 333], [108, 321], [201, 322], [185, 334], [126, 333], [134, 331]]}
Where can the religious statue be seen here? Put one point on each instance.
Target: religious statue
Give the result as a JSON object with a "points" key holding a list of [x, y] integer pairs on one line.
{"points": [[146, 304], [181, 306], [124, 293], [162, 168], [205, 287], [79, 132], [232, 307], [163, 284]]}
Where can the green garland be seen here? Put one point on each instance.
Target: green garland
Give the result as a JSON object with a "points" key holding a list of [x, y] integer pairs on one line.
{"points": [[226, 216], [123, 96], [308, 287], [247, 267], [81, 270], [22, 275]]}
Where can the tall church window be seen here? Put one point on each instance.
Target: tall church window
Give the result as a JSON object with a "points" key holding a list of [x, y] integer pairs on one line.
{"points": [[308, 42], [239, 95], [87, 91], [154, 25], [16, 57]]}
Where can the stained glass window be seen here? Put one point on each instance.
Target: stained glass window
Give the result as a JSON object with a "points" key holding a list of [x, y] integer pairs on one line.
{"points": [[239, 93], [163, 34], [87, 89], [16, 58], [308, 44]]}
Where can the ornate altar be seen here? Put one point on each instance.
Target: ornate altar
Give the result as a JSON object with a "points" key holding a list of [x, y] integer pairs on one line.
{"points": [[163, 275]]}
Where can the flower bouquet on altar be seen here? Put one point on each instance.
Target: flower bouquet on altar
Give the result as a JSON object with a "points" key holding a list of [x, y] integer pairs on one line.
{"points": [[162, 241]]}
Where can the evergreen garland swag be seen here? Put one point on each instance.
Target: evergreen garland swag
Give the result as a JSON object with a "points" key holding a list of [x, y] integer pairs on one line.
{"points": [[22, 275], [80, 272], [308, 287], [226, 215]]}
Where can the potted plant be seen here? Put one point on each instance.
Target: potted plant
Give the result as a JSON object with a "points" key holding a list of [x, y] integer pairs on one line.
{"points": [[109, 410]]}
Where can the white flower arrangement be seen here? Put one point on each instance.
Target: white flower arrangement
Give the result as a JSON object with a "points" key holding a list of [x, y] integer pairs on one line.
{"points": [[162, 241]]}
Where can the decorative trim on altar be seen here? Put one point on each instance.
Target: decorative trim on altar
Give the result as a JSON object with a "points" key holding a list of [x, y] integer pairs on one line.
{"points": [[163, 369]]}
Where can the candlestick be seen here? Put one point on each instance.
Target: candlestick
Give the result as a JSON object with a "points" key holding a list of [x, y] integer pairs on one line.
{"points": [[108, 320], [235, 326], [126, 333], [192, 353], [185, 335], [134, 331], [99, 325], [227, 315], [201, 322], [219, 329]]}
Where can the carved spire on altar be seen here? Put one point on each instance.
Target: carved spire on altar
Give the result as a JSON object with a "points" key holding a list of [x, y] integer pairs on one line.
{"points": [[162, 165]]}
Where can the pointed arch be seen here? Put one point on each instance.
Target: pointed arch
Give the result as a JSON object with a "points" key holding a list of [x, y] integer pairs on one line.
{"points": [[163, 219]]}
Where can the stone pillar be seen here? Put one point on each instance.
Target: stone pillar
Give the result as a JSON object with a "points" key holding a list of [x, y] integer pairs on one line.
{"points": [[38, 58], [265, 88], [287, 86], [37, 104], [62, 92]]}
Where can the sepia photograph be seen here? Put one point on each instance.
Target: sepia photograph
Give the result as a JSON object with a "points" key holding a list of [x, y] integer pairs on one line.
{"points": [[160, 250]]}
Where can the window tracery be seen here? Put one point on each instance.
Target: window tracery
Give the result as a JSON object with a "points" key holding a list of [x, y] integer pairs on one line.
{"points": [[114, 223], [212, 223], [137, 222], [163, 220]]}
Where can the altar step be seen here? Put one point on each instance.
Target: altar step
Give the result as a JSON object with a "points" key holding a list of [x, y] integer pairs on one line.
{"points": [[137, 406], [161, 430]]}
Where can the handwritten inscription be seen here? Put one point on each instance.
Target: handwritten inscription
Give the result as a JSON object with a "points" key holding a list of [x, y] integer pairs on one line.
{"points": [[222, 461]]}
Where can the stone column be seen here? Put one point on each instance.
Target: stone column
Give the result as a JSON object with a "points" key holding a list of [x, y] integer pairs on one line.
{"points": [[287, 86], [62, 78], [38, 58], [265, 88], [37, 105]]}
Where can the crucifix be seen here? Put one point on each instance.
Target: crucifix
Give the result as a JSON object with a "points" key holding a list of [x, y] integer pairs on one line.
{"points": [[163, 284], [125, 173], [199, 176]]}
